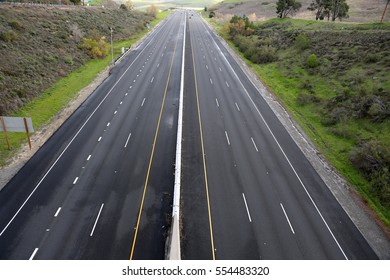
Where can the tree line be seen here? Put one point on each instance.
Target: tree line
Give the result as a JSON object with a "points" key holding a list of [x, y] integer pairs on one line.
{"points": [[330, 9]]}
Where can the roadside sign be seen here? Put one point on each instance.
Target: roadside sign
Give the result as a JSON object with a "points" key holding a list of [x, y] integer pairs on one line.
{"points": [[16, 124]]}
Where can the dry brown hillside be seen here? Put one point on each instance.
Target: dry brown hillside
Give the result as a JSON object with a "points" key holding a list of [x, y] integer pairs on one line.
{"points": [[259, 10]]}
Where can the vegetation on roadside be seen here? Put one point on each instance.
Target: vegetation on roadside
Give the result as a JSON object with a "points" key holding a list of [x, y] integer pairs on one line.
{"points": [[61, 89], [334, 79]]}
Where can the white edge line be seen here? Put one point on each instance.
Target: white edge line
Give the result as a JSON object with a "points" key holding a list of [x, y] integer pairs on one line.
{"points": [[58, 212], [281, 149], [97, 218], [33, 254], [127, 141], [227, 137], [77, 133], [288, 220], [247, 209], [254, 144]]}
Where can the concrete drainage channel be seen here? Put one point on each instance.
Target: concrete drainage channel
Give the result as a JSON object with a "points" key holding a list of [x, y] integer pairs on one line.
{"points": [[173, 243]]}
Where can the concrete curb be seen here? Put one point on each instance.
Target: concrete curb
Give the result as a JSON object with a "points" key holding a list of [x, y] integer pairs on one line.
{"points": [[174, 239]]}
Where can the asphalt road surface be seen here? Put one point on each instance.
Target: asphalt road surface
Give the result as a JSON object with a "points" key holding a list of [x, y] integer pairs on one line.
{"points": [[102, 186], [248, 191]]}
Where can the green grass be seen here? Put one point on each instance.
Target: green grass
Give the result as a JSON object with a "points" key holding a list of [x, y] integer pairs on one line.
{"points": [[285, 80], [43, 108]]}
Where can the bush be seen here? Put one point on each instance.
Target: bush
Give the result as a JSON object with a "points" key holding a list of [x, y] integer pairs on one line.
{"points": [[302, 42], [8, 36], [152, 10], [211, 14], [312, 61], [370, 157], [15, 24], [95, 48], [305, 98]]}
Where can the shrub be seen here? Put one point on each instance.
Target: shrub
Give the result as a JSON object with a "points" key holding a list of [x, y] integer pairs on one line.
{"points": [[312, 61], [370, 157], [305, 98], [95, 48], [372, 58], [211, 14], [152, 10], [302, 42], [68, 60], [8, 36], [15, 24]]}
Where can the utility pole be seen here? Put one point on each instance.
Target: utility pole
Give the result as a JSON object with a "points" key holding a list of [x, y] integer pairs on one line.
{"points": [[384, 11], [112, 49]]}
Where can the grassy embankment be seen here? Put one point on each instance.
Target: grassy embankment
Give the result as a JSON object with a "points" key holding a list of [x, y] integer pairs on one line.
{"points": [[341, 100], [50, 102]]}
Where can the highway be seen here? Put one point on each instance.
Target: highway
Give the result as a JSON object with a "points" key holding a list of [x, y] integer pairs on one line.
{"points": [[248, 191], [102, 186]]}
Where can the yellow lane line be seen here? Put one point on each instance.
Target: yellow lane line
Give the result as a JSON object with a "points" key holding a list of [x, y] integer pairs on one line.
{"points": [[203, 155], [152, 154]]}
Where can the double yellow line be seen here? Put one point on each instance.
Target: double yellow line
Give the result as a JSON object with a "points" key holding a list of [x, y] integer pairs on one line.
{"points": [[152, 154]]}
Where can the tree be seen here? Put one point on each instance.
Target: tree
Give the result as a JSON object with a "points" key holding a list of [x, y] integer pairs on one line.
{"points": [[285, 8], [337, 9], [152, 10]]}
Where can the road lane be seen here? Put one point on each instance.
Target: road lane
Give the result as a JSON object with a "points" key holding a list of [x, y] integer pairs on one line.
{"points": [[290, 205], [92, 161]]}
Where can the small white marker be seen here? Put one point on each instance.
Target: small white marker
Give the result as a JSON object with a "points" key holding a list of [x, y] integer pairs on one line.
{"points": [[33, 254], [58, 212], [108, 124], [216, 101], [288, 220], [143, 101], [247, 209], [254, 144], [158, 65], [100, 138], [211, 81], [238, 108], [97, 218], [227, 137], [75, 180], [151, 81], [89, 157], [134, 81], [115, 112], [220, 70], [121, 103], [207, 67], [126, 93], [130, 87], [227, 84], [127, 141]]}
